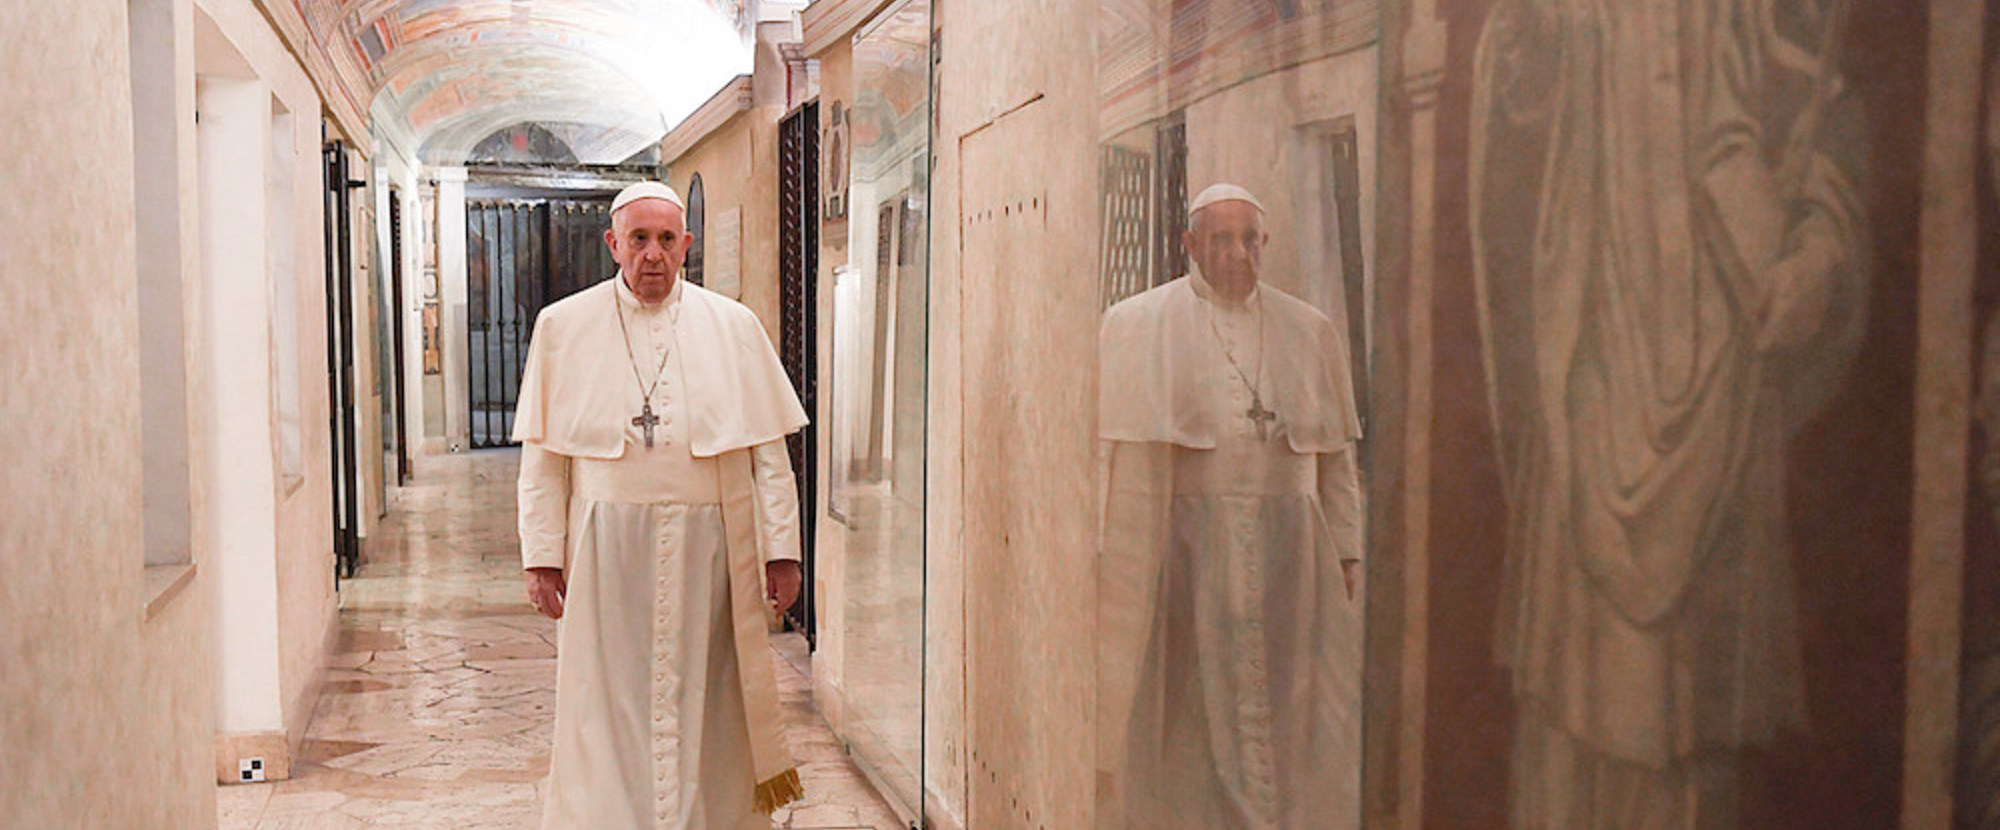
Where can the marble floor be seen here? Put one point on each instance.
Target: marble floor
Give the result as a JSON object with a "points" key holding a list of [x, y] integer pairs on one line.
{"points": [[440, 691]]}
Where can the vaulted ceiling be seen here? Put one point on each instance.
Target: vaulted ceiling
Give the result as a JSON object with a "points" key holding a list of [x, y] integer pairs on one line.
{"points": [[608, 76]]}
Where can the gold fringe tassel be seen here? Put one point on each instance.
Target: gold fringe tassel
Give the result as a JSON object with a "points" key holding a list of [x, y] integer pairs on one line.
{"points": [[779, 792]]}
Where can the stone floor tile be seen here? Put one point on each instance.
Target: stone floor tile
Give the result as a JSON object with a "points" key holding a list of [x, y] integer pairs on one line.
{"points": [[438, 705], [239, 806]]}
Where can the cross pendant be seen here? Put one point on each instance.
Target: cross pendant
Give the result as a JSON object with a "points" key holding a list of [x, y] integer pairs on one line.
{"points": [[646, 420], [1262, 417]]}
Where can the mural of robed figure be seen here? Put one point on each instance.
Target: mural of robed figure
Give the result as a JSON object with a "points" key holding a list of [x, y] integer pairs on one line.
{"points": [[1666, 223]]}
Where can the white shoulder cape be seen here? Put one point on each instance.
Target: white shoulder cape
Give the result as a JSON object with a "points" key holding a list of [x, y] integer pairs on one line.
{"points": [[575, 387], [1155, 350]]}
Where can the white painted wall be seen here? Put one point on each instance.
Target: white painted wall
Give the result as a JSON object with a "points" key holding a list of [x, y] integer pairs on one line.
{"points": [[364, 299], [395, 169], [450, 232], [236, 410], [104, 708], [272, 542]]}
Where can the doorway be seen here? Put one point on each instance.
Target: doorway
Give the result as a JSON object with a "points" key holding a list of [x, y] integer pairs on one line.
{"points": [[395, 434], [343, 412], [521, 255]]}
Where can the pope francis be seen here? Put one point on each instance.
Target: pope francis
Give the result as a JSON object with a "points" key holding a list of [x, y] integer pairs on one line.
{"points": [[1228, 642], [654, 483]]}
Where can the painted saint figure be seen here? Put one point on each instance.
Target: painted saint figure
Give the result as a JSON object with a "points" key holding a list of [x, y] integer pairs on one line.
{"points": [[1230, 536], [658, 511], [1667, 233]]}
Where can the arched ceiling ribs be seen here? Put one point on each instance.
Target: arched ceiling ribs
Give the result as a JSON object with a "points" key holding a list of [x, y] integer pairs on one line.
{"points": [[589, 135], [434, 70]]}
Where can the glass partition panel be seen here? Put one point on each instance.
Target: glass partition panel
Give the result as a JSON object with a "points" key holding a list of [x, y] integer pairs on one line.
{"points": [[1235, 218], [879, 380]]}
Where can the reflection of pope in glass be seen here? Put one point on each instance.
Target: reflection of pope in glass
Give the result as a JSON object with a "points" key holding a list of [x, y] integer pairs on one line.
{"points": [[1231, 531]]}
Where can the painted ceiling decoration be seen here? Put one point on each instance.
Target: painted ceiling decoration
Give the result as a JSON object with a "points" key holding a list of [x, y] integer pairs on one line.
{"points": [[610, 76], [529, 143]]}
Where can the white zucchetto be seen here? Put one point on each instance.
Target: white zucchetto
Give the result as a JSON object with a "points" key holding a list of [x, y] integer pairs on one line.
{"points": [[646, 190], [1223, 192]]}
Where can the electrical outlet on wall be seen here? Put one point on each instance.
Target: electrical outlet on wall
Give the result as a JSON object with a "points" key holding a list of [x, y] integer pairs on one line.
{"points": [[252, 770]]}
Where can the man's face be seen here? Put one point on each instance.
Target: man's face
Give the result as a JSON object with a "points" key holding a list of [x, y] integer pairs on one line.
{"points": [[1227, 240], [649, 240]]}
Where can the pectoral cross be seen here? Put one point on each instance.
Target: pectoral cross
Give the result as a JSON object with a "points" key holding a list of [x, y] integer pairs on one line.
{"points": [[1260, 416], [646, 420]]}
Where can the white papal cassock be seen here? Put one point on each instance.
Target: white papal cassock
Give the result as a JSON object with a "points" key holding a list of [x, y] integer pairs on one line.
{"points": [[1228, 649], [665, 698]]}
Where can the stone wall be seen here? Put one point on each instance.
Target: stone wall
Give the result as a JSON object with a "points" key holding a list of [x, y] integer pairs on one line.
{"points": [[106, 707]]}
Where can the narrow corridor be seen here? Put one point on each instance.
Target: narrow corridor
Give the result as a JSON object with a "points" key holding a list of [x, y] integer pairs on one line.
{"points": [[439, 693]]}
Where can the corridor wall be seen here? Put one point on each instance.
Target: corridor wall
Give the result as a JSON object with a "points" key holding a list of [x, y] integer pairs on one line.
{"points": [[1817, 651], [105, 703], [270, 528], [1015, 311], [732, 145]]}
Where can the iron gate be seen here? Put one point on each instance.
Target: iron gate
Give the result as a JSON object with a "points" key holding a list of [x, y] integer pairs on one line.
{"points": [[337, 199], [521, 255], [798, 340]]}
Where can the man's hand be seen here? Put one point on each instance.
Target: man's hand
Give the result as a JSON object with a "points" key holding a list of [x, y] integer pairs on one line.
{"points": [[782, 579], [546, 589], [1347, 573]]}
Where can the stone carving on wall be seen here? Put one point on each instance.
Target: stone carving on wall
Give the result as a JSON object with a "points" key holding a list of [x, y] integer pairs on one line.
{"points": [[1666, 227]]}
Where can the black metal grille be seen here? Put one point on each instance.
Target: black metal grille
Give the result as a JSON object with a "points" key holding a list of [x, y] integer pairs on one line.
{"points": [[394, 314], [521, 255], [697, 228], [798, 269], [1128, 180], [1346, 190], [338, 203], [1170, 205]]}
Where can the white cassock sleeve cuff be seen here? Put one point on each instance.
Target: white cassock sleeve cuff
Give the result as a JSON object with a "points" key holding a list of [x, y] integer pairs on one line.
{"points": [[1340, 499], [777, 501], [544, 494]]}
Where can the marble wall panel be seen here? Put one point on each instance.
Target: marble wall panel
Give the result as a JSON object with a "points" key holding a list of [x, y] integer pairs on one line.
{"points": [[1028, 522], [1027, 319]]}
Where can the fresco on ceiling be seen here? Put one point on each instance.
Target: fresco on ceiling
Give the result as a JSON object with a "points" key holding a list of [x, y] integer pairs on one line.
{"points": [[523, 144], [453, 71]]}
